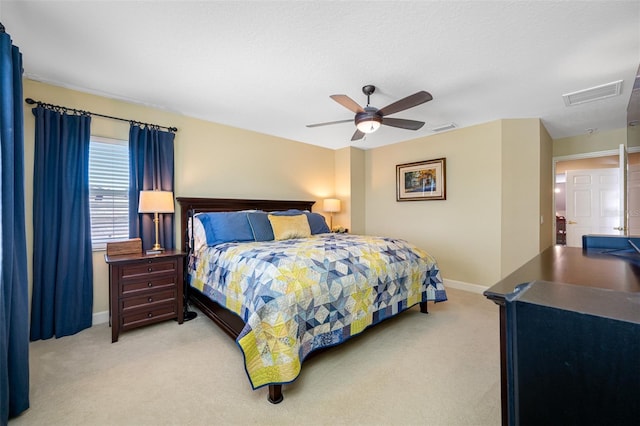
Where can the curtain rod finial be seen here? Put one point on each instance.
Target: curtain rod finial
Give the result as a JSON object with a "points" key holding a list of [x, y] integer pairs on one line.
{"points": [[30, 101]]}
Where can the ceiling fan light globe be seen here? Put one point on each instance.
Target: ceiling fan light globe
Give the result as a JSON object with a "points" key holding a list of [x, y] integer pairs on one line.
{"points": [[368, 121], [368, 126]]}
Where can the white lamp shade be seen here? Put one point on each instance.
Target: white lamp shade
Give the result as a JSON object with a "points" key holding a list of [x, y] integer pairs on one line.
{"points": [[368, 126], [156, 202], [331, 205]]}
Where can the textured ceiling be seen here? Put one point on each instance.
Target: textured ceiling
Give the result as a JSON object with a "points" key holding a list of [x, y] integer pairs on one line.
{"points": [[270, 66]]}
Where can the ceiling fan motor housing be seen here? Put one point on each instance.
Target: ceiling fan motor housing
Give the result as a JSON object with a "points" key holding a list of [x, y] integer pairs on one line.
{"points": [[366, 121], [369, 114]]}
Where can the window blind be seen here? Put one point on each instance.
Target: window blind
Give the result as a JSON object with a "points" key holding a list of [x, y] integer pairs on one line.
{"points": [[108, 191]]}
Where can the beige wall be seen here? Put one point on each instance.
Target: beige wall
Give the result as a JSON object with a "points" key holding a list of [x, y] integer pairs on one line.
{"points": [[358, 191], [489, 224], [521, 193], [343, 188], [596, 142], [461, 232], [547, 229], [606, 162], [350, 189], [212, 160]]}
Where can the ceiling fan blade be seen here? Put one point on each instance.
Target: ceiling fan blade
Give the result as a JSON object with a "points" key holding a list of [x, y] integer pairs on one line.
{"points": [[357, 136], [330, 122], [402, 123], [406, 103], [347, 102]]}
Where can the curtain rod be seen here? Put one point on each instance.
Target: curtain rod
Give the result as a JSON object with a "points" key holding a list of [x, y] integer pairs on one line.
{"points": [[79, 111]]}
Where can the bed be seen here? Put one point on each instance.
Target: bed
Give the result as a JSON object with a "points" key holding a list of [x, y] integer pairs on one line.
{"points": [[273, 277]]}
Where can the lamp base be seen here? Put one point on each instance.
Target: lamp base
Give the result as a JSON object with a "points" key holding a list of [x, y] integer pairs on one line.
{"points": [[154, 251]]}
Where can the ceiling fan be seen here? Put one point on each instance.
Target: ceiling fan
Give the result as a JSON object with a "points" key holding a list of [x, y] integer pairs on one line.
{"points": [[369, 119]]}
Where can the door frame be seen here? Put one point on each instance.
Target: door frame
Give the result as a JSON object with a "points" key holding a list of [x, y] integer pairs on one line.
{"points": [[582, 156], [571, 157]]}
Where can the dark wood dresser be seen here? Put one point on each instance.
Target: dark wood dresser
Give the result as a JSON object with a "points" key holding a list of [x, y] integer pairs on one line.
{"points": [[597, 269], [144, 289]]}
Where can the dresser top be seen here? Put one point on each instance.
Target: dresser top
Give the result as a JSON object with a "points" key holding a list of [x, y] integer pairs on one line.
{"points": [[572, 265], [122, 258]]}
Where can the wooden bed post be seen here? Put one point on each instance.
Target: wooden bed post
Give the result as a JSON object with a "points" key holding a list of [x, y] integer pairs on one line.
{"points": [[275, 394], [423, 307]]}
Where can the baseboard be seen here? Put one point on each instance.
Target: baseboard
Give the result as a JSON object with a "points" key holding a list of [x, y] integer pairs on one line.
{"points": [[100, 318], [474, 288]]}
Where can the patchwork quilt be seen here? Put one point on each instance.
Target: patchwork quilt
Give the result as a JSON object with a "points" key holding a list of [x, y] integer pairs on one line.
{"points": [[299, 295]]}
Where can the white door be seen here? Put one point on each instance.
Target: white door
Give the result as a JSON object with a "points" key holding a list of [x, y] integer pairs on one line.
{"points": [[593, 204], [633, 206]]}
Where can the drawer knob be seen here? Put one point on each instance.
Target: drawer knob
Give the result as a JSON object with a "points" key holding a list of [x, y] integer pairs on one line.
{"points": [[150, 269], [150, 299], [149, 284], [149, 315]]}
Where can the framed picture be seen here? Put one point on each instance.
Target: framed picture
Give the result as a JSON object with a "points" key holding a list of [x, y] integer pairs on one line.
{"points": [[422, 180]]}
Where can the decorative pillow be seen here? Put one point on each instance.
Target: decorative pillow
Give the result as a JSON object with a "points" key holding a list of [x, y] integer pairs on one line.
{"points": [[286, 227], [317, 223], [199, 234], [224, 227], [260, 226]]}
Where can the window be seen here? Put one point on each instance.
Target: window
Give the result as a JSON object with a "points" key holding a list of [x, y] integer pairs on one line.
{"points": [[108, 191]]}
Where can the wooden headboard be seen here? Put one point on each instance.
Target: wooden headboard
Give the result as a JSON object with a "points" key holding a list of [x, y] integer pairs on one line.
{"points": [[190, 205]]}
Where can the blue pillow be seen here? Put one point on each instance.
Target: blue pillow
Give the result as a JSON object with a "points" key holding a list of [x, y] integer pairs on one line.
{"points": [[260, 226], [224, 227], [317, 223], [205, 220]]}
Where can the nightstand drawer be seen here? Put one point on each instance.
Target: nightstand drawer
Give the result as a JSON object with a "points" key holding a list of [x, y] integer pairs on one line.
{"points": [[152, 283], [151, 266], [147, 316], [149, 301]]}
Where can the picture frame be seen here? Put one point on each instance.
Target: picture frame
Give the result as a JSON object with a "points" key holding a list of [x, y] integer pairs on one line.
{"points": [[421, 180]]}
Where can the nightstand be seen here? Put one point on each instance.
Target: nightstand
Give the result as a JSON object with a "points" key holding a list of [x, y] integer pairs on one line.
{"points": [[144, 289]]}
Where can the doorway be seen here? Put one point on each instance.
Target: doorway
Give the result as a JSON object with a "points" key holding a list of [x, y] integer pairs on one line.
{"points": [[566, 230], [633, 200]]}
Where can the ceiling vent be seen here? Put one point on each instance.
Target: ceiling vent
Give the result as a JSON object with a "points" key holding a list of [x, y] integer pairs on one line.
{"points": [[443, 127], [593, 94]]}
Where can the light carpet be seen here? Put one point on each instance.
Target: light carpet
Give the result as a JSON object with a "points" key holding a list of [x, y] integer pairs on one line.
{"points": [[436, 369]]}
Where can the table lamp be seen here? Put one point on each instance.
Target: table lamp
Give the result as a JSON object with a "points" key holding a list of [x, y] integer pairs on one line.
{"points": [[156, 202], [331, 205]]}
